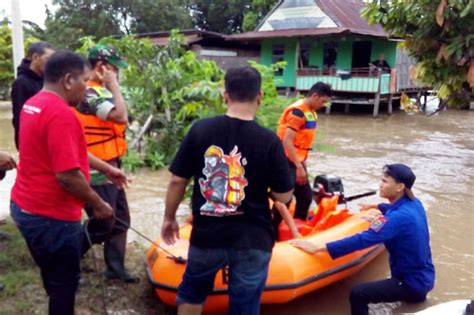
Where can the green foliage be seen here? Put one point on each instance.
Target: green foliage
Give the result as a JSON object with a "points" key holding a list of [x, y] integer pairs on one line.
{"points": [[100, 18], [219, 16], [75, 19], [6, 60], [231, 16], [169, 83], [132, 161], [439, 35], [153, 157], [175, 87], [258, 10], [272, 104]]}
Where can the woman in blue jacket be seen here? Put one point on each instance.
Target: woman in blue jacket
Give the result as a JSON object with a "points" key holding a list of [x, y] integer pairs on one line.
{"points": [[403, 229]]}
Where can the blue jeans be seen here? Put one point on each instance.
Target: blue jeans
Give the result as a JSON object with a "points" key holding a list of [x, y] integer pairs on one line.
{"points": [[56, 247], [248, 270]]}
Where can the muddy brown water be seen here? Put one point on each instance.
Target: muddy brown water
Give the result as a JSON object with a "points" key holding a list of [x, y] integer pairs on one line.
{"points": [[440, 150]]}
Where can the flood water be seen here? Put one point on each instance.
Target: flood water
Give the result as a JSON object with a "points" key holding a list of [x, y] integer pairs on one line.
{"points": [[440, 149]]}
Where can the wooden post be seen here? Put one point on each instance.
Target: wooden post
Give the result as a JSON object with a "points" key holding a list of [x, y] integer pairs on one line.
{"points": [[390, 101], [377, 100], [376, 104], [346, 108], [297, 58], [328, 109], [136, 142], [425, 100]]}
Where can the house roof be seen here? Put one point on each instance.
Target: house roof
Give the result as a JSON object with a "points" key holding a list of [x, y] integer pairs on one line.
{"points": [[296, 18], [346, 13], [190, 36]]}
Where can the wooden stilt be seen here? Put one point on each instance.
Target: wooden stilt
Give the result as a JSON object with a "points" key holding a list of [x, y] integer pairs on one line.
{"points": [[376, 104], [425, 100], [377, 100], [346, 108], [328, 109], [390, 101]]}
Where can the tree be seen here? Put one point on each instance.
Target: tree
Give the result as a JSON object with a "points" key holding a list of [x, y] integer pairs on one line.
{"points": [[168, 84], [219, 16], [142, 16], [258, 10], [440, 36], [6, 59], [75, 19]]}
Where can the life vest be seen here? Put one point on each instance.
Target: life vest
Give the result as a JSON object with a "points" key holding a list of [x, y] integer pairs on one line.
{"points": [[105, 139], [304, 137], [326, 206]]}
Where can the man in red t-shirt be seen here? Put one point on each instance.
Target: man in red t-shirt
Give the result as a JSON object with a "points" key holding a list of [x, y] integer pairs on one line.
{"points": [[52, 180]]}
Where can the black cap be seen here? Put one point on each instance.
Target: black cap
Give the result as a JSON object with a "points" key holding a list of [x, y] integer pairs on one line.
{"points": [[402, 174]]}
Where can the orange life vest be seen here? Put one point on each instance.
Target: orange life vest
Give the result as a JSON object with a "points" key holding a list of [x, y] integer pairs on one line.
{"points": [[304, 136], [105, 139]]}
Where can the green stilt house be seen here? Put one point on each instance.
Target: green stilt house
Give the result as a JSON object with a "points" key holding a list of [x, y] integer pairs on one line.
{"points": [[328, 41]]}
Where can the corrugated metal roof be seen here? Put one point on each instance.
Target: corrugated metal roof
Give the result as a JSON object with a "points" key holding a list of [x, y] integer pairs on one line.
{"points": [[346, 13], [190, 36], [292, 14], [163, 41], [295, 23], [288, 33], [296, 18]]}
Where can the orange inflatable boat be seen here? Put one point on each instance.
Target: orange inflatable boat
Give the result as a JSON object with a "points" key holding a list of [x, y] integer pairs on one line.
{"points": [[292, 272]]}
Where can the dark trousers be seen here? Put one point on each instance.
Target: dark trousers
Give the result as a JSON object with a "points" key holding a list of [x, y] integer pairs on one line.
{"points": [[389, 290], [112, 232], [102, 230], [55, 246], [303, 195]]}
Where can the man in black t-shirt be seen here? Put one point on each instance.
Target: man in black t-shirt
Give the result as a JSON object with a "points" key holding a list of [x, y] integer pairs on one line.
{"points": [[234, 162], [380, 63]]}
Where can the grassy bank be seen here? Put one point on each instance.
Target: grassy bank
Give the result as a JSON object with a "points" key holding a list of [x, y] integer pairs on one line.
{"points": [[24, 293]]}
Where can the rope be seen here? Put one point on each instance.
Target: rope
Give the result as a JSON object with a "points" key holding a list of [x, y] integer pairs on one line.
{"points": [[102, 282], [177, 259]]}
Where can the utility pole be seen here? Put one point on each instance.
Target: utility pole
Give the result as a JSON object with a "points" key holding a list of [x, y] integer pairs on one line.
{"points": [[17, 35]]}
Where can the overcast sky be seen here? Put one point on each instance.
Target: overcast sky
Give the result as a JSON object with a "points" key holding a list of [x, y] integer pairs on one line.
{"points": [[31, 10]]}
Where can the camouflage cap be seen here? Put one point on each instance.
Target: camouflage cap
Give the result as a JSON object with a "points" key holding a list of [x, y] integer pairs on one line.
{"points": [[107, 53]]}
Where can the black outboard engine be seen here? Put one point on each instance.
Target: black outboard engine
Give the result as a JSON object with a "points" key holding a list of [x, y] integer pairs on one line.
{"points": [[331, 185], [328, 186]]}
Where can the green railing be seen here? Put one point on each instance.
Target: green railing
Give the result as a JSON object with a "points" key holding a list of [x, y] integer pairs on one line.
{"points": [[353, 84]]}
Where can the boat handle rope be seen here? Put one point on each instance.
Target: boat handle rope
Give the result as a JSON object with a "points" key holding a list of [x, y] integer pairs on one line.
{"points": [[103, 285], [176, 259]]}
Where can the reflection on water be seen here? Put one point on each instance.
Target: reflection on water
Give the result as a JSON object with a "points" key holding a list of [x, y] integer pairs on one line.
{"points": [[440, 150]]}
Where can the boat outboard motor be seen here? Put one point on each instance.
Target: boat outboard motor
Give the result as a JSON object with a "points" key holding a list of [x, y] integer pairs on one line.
{"points": [[328, 186]]}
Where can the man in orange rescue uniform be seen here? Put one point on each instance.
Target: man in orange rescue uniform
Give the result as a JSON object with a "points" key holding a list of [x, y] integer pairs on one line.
{"points": [[296, 129], [103, 114]]}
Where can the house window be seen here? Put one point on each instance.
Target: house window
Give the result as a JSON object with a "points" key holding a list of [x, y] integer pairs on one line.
{"points": [[278, 54], [304, 56], [330, 55]]}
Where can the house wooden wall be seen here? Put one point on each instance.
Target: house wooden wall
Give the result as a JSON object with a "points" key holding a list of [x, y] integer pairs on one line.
{"points": [[344, 53]]}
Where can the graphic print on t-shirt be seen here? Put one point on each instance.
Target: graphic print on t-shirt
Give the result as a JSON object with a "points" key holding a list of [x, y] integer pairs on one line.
{"points": [[223, 187]]}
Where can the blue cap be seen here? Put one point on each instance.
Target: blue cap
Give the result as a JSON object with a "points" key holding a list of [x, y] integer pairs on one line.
{"points": [[402, 174]]}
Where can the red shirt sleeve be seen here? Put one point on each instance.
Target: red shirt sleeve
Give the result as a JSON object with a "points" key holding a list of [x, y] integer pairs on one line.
{"points": [[63, 134]]}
